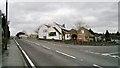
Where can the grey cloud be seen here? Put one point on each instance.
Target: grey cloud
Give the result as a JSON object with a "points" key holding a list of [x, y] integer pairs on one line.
{"points": [[29, 15]]}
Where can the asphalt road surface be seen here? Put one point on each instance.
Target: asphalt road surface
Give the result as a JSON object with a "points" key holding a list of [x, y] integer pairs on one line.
{"points": [[44, 53]]}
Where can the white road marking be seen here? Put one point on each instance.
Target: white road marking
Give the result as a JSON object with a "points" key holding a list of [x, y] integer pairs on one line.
{"points": [[114, 53], [97, 65], [46, 47], [31, 63], [37, 44], [91, 52], [66, 54], [114, 56], [105, 54], [97, 53]]}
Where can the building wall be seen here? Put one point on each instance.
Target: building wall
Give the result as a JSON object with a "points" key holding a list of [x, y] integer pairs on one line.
{"points": [[67, 36], [42, 33], [83, 34], [57, 37]]}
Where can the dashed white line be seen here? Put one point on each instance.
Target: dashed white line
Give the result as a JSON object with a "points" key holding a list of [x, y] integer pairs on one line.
{"points": [[96, 53], [91, 52], [37, 44], [114, 56], [66, 54], [46, 47], [97, 65], [105, 54], [114, 53]]}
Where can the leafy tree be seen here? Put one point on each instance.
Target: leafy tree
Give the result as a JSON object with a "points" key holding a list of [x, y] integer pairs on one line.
{"points": [[6, 32], [117, 33], [20, 33], [107, 36], [91, 31]]}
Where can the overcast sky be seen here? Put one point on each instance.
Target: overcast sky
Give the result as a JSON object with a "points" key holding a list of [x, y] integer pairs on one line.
{"points": [[27, 16]]}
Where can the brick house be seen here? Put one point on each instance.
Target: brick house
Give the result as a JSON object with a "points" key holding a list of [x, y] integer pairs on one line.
{"points": [[83, 34]]}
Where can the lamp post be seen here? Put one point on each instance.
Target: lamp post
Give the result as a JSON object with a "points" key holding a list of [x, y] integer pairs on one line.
{"points": [[6, 30]]}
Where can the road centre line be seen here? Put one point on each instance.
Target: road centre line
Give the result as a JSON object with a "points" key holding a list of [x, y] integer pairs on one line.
{"points": [[114, 53], [104, 54], [66, 54], [46, 47], [114, 56]]}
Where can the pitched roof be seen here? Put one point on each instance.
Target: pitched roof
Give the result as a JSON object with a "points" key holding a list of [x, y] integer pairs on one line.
{"points": [[83, 28], [60, 26], [48, 26], [57, 30], [72, 31]]}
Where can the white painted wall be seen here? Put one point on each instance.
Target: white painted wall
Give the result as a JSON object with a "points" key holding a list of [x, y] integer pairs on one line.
{"points": [[67, 37], [57, 37], [41, 32]]}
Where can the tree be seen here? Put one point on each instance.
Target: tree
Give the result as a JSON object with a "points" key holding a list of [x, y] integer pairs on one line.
{"points": [[107, 33], [91, 31], [6, 32], [20, 33], [117, 33], [107, 36], [79, 24]]}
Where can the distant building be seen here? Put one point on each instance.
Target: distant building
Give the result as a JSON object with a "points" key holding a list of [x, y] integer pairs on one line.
{"points": [[72, 34], [83, 34], [53, 31], [32, 36], [23, 36]]}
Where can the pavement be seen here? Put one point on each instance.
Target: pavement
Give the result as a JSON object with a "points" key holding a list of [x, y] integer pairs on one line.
{"points": [[0, 55], [44, 53], [13, 57]]}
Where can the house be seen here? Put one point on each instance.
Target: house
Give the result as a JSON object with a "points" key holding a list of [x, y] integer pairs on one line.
{"points": [[53, 31], [32, 36], [72, 34], [23, 36], [83, 34]]}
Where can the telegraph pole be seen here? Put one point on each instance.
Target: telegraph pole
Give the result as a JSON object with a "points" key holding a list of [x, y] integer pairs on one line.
{"points": [[6, 22]]}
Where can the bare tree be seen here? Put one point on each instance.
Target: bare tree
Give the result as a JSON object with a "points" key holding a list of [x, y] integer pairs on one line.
{"points": [[79, 24], [37, 30]]}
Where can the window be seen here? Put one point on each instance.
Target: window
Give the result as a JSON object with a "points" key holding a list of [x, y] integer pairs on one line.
{"points": [[52, 34], [82, 31], [45, 30]]}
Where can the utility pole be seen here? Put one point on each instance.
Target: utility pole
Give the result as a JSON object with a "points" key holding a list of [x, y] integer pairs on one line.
{"points": [[6, 23]]}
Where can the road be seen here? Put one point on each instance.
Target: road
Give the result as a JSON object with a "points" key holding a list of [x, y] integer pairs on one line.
{"points": [[44, 53]]}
